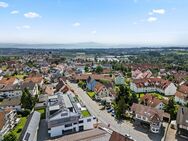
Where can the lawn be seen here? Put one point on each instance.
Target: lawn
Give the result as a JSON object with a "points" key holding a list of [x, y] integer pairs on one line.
{"points": [[18, 128], [4, 68], [85, 113], [42, 111], [20, 76], [91, 94], [141, 95], [159, 96]]}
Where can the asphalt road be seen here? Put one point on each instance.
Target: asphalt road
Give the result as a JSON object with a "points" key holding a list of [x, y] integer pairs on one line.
{"points": [[139, 134]]}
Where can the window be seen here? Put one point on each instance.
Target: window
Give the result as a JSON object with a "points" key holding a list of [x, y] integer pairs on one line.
{"points": [[75, 123], [88, 120], [81, 121], [68, 125]]}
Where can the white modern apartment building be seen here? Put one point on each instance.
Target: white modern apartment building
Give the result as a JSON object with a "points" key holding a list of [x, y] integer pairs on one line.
{"points": [[153, 85], [65, 114], [8, 119]]}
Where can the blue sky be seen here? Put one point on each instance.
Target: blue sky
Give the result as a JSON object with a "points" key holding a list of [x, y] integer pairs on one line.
{"points": [[150, 22]]}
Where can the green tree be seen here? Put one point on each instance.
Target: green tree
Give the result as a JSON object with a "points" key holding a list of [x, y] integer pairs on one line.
{"points": [[27, 100], [10, 137], [99, 69], [86, 69], [120, 107], [171, 108], [122, 101], [82, 84], [133, 99]]}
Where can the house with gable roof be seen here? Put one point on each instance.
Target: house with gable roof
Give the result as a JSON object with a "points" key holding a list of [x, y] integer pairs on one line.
{"points": [[146, 114]]}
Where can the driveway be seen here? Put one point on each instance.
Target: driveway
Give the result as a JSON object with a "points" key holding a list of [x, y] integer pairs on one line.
{"points": [[138, 133], [43, 131]]}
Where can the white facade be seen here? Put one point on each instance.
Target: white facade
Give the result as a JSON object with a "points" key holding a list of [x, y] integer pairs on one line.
{"points": [[64, 116], [87, 124], [18, 92], [154, 127], [11, 94], [168, 91], [104, 92], [10, 122]]}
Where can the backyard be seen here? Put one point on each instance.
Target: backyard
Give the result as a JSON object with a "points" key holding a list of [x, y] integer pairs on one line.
{"points": [[91, 94], [42, 111], [20, 76], [18, 128]]}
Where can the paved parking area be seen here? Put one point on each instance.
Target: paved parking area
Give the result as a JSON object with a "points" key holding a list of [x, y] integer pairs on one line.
{"points": [[171, 136], [43, 131]]}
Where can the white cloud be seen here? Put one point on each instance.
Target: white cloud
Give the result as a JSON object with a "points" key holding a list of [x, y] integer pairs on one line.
{"points": [[3, 4], [150, 13], [14, 12], [23, 27], [93, 32], [32, 15], [76, 24], [159, 11], [152, 19]]}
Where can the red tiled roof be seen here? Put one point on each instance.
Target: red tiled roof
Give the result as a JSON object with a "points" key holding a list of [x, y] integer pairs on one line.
{"points": [[152, 100], [7, 81], [183, 89], [147, 111], [148, 82], [34, 79], [98, 87]]}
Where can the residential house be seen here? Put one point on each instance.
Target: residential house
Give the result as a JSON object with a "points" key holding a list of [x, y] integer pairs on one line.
{"points": [[90, 83], [35, 79], [8, 81], [182, 121], [15, 90], [115, 136], [181, 96], [49, 89], [64, 115], [153, 101], [137, 74], [101, 91], [31, 86], [146, 114], [13, 103], [153, 85], [8, 119], [30, 130], [62, 86]]}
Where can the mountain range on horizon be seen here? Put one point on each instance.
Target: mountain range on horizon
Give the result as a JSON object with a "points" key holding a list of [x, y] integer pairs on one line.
{"points": [[80, 45]]}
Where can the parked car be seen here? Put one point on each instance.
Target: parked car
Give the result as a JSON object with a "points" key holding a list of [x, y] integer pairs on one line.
{"points": [[110, 110], [113, 113], [102, 108]]}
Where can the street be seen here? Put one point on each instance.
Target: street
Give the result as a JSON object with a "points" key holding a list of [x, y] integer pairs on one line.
{"points": [[137, 133]]}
